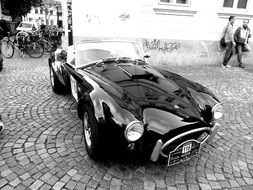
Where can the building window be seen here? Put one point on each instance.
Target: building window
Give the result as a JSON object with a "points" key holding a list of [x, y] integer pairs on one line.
{"points": [[242, 4], [41, 11], [36, 11], [51, 22], [239, 8], [175, 2], [175, 7], [235, 4], [51, 12]]}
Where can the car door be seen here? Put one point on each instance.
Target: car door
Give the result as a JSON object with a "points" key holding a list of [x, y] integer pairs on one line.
{"points": [[78, 84]]}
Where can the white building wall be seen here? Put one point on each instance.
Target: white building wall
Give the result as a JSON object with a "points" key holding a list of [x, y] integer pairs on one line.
{"points": [[204, 25], [191, 32], [104, 20], [101, 18]]}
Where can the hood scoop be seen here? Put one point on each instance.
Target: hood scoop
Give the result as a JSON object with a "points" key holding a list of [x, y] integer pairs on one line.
{"points": [[137, 73], [147, 76]]}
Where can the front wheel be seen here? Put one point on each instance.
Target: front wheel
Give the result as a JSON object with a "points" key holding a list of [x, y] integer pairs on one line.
{"points": [[92, 134], [7, 49], [34, 49]]}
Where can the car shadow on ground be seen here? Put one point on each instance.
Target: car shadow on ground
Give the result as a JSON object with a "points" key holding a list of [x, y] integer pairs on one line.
{"points": [[133, 160]]}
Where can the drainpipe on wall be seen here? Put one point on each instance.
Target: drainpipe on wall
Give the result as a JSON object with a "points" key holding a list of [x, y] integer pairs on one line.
{"points": [[57, 14], [70, 22]]}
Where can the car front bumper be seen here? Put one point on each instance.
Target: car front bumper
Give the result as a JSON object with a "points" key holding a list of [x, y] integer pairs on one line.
{"points": [[157, 150]]}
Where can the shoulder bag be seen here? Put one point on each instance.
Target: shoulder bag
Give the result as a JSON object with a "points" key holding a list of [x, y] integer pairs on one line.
{"points": [[222, 41]]}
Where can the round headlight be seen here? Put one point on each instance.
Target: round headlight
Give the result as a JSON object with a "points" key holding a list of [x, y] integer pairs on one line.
{"points": [[217, 111], [134, 131]]}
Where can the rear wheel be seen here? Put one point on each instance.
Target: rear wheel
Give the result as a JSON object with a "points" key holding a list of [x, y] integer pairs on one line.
{"points": [[7, 49], [92, 133], [34, 49], [56, 84]]}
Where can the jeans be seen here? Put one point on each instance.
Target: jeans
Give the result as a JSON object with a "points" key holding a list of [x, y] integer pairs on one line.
{"points": [[228, 53], [239, 51]]}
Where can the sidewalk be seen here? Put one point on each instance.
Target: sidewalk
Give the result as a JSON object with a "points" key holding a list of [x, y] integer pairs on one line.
{"points": [[42, 145]]}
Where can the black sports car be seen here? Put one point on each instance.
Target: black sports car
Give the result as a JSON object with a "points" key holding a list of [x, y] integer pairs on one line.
{"points": [[122, 100]]}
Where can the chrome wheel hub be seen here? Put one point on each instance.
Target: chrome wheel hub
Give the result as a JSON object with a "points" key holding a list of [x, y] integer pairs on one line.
{"points": [[87, 130]]}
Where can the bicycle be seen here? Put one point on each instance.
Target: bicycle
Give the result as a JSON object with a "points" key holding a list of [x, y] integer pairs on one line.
{"points": [[22, 43], [48, 44]]}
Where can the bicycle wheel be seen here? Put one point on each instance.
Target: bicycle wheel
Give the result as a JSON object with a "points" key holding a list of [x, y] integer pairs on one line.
{"points": [[7, 49], [34, 49]]}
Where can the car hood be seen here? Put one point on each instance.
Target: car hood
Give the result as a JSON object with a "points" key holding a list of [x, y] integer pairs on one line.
{"points": [[154, 96]]}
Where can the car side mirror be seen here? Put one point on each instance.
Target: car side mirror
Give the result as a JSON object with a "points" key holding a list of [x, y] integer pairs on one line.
{"points": [[147, 55]]}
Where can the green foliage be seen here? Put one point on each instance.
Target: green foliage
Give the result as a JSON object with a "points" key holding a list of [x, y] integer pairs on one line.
{"points": [[21, 7]]}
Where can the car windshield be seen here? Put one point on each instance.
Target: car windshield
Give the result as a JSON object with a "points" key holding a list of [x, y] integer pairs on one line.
{"points": [[95, 51], [25, 25]]}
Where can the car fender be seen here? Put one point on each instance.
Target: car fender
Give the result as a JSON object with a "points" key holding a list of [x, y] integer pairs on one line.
{"points": [[203, 97], [58, 68], [104, 106]]}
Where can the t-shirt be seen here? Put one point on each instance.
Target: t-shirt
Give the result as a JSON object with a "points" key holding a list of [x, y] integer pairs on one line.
{"points": [[244, 34]]}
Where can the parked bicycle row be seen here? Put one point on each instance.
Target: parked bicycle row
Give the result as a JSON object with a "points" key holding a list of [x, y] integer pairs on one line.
{"points": [[35, 43]]}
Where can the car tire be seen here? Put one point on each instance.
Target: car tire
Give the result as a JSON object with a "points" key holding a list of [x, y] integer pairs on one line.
{"points": [[56, 85], [92, 133]]}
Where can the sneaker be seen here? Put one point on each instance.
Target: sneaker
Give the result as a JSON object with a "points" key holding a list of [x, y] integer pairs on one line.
{"points": [[241, 66], [229, 66], [223, 66]]}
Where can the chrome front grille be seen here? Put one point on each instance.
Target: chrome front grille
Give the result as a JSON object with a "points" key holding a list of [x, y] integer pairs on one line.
{"points": [[172, 144]]}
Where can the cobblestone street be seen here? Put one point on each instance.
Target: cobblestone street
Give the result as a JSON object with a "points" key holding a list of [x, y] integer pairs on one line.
{"points": [[42, 146]]}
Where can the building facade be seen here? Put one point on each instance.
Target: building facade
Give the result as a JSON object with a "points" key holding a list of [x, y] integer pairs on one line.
{"points": [[50, 17], [172, 31]]}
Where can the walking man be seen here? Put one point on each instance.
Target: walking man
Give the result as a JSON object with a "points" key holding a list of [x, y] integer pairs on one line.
{"points": [[229, 40], [241, 37]]}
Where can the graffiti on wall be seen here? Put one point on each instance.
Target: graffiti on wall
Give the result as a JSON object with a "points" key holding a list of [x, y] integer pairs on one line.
{"points": [[163, 46], [124, 17], [210, 49], [199, 48], [188, 51], [93, 18]]}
